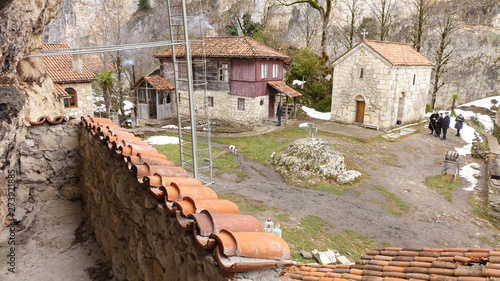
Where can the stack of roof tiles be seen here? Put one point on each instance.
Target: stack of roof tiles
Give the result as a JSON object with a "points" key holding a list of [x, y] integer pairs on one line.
{"points": [[238, 241], [399, 264]]}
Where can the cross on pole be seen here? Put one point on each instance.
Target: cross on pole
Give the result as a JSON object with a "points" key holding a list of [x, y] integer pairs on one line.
{"points": [[311, 129], [364, 33]]}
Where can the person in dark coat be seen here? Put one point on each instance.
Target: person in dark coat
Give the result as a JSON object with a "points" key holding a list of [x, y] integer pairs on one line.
{"points": [[279, 113], [438, 125], [432, 121], [446, 124], [459, 121]]}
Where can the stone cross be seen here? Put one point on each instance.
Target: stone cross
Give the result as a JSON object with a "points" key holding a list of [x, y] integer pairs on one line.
{"points": [[311, 129], [364, 33]]}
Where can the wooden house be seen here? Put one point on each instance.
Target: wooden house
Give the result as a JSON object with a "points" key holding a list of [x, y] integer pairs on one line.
{"points": [[244, 78], [154, 98]]}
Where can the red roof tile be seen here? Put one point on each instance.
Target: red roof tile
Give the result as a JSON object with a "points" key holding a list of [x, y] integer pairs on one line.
{"points": [[281, 87], [227, 47], [61, 93], [60, 68], [158, 82], [398, 53], [391, 264]]}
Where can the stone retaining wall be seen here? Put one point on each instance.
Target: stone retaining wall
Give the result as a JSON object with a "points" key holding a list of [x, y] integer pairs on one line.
{"points": [[140, 238], [50, 162]]}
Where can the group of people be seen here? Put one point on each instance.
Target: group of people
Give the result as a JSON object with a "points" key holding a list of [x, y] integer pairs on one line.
{"points": [[439, 124]]}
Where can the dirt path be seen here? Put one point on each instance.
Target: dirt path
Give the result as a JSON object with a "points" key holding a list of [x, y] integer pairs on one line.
{"points": [[400, 167]]}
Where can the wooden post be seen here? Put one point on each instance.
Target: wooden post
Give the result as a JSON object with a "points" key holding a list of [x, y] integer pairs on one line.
{"points": [[286, 109], [295, 108]]}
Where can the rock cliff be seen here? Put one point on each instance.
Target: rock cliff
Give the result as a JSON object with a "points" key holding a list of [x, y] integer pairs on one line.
{"points": [[473, 69], [25, 89]]}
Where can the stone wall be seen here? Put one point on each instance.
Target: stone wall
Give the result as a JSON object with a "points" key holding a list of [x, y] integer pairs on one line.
{"points": [[50, 162], [84, 102], [138, 235], [381, 88], [225, 110]]}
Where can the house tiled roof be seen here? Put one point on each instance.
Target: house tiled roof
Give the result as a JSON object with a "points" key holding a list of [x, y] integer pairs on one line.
{"points": [[399, 264], [238, 241], [158, 82], [60, 68], [61, 93], [400, 54], [227, 47], [281, 87]]}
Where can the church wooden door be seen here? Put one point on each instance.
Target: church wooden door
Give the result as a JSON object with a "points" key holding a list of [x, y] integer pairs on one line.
{"points": [[360, 111]]}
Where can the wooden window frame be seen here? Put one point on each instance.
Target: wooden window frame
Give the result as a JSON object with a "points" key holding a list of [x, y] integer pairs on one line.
{"points": [[223, 72], [241, 104], [210, 101], [72, 95]]}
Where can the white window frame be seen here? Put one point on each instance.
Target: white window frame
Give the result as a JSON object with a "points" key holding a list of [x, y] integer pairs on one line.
{"points": [[276, 70], [263, 71], [241, 104], [224, 72]]}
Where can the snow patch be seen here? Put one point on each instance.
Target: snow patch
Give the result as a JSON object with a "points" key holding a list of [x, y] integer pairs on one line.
{"points": [[316, 114], [159, 140], [470, 172]]}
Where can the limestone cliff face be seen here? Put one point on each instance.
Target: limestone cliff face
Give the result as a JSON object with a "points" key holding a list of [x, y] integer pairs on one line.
{"points": [[25, 89]]}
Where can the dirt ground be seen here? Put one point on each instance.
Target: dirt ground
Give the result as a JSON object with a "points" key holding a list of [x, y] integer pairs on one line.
{"points": [[401, 167]]}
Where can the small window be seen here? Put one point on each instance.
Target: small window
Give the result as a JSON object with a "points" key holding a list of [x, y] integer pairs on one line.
{"points": [[169, 100], [414, 78], [361, 73], [224, 73], [211, 101], [263, 71], [71, 101], [241, 104], [275, 71]]}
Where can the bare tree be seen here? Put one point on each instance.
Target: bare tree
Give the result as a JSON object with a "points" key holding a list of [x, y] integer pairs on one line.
{"points": [[422, 11], [348, 32], [383, 12], [324, 10], [108, 29], [446, 24], [309, 29]]}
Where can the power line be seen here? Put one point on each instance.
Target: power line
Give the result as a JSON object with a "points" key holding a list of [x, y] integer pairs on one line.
{"points": [[104, 49]]}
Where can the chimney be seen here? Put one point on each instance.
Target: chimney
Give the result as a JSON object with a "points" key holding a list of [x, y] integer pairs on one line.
{"points": [[77, 64]]}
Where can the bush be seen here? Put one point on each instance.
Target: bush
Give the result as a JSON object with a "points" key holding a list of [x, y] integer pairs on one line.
{"points": [[144, 5], [428, 108]]}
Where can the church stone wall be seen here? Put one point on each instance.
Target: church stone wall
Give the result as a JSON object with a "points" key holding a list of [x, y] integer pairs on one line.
{"points": [[381, 88]]}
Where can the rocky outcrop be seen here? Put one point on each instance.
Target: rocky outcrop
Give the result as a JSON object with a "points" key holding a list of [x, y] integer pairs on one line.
{"points": [[25, 90], [308, 160]]}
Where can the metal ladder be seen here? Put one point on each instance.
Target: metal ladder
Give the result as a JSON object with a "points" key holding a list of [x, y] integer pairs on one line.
{"points": [[191, 89]]}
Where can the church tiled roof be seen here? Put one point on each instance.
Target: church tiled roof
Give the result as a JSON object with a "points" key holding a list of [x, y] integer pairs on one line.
{"points": [[398, 53]]}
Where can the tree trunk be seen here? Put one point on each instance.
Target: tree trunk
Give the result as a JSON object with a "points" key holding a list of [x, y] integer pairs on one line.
{"points": [[107, 101]]}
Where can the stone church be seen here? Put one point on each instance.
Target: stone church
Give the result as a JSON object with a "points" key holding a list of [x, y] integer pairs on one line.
{"points": [[380, 85]]}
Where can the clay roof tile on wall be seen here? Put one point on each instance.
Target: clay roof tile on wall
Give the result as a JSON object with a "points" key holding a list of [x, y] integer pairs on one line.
{"points": [[60, 68], [227, 47], [190, 201]]}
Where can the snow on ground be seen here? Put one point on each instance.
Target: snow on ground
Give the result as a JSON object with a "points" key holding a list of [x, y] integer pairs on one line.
{"points": [[468, 172], [303, 125], [170, 127], [316, 114], [159, 140]]}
